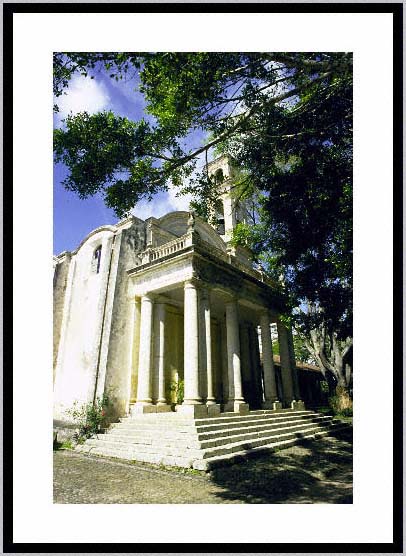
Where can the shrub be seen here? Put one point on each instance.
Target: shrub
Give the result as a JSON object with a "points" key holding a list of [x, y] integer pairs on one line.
{"points": [[89, 417], [341, 402], [347, 412], [178, 387]]}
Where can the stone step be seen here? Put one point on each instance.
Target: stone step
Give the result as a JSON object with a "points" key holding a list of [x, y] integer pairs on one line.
{"points": [[254, 435], [206, 443], [189, 459], [155, 442], [94, 445], [244, 445], [276, 421], [231, 417], [132, 455], [236, 457], [208, 424], [226, 434], [193, 442], [194, 449], [176, 418]]}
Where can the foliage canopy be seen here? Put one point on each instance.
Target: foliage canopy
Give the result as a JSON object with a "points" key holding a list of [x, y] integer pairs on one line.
{"points": [[285, 119]]}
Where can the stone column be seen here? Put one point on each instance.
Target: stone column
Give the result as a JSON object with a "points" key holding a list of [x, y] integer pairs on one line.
{"points": [[297, 401], [235, 401], [255, 364], [225, 388], [286, 370], [212, 407], [247, 383], [271, 392], [192, 403], [159, 360], [202, 303], [144, 394]]}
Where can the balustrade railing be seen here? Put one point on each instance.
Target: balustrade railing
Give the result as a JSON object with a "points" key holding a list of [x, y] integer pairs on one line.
{"points": [[153, 254]]}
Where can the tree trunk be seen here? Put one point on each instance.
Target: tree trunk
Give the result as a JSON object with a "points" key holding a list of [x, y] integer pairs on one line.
{"points": [[330, 354]]}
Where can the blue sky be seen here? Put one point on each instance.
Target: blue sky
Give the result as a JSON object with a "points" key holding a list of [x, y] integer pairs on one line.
{"points": [[75, 218]]}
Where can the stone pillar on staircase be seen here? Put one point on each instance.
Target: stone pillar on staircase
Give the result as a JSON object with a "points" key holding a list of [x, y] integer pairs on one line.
{"points": [[144, 390], [271, 393], [159, 358], [246, 370], [256, 365], [192, 404], [297, 401], [286, 369], [206, 352], [236, 400], [224, 365]]}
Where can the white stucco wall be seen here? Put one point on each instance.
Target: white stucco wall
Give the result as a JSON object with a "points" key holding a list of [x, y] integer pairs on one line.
{"points": [[82, 324]]}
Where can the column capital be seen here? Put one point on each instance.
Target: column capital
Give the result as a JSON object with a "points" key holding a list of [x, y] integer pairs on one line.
{"points": [[233, 300], [147, 297], [192, 283], [205, 290]]}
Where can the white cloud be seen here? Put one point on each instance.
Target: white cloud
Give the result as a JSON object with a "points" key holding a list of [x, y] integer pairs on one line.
{"points": [[83, 94], [162, 204], [178, 203]]}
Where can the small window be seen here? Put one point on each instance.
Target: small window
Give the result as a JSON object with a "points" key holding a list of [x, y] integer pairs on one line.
{"points": [[96, 260]]}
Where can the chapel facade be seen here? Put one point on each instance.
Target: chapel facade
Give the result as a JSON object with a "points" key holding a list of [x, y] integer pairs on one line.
{"points": [[143, 307]]}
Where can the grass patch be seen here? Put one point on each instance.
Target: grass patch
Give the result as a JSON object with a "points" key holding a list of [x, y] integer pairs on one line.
{"points": [[343, 418], [340, 416], [66, 445], [171, 468]]}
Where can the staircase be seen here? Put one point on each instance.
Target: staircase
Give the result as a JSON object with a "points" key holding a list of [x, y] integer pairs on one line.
{"points": [[173, 439]]}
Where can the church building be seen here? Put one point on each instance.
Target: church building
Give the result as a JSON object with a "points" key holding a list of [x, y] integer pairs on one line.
{"points": [[173, 323], [141, 306]]}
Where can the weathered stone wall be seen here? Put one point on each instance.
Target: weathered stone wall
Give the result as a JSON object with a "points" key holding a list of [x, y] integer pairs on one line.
{"points": [[92, 341], [60, 279], [81, 327], [122, 350]]}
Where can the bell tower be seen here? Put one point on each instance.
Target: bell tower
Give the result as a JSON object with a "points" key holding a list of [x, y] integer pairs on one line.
{"points": [[227, 212]]}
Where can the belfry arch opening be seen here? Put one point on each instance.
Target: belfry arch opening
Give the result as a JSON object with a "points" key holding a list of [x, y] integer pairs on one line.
{"points": [[219, 217], [219, 176]]}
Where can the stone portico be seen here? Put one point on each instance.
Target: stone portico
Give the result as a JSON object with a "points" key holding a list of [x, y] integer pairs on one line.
{"points": [[222, 304]]}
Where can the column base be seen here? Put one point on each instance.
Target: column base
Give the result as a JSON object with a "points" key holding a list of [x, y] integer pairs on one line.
{"points": [[213, 409], [195, 411], [298, 404], [163, 408], [237, 407], [272, 405], [142, 407]]}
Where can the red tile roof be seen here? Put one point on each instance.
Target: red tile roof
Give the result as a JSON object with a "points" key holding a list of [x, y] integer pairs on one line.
{"points": [[299, 364]]}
